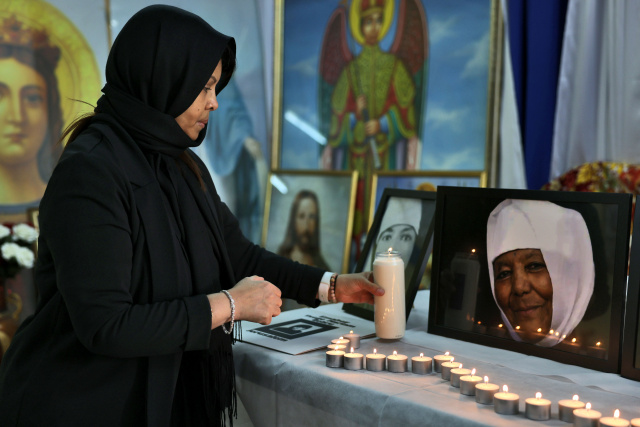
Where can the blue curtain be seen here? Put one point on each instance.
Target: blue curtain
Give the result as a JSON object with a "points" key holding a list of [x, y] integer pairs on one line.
{"points": [[536, 29]]}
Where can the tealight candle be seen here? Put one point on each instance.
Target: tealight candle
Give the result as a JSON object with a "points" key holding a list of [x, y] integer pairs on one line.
{"points": [[537, 408], [353, 338], [337, 347], [421, 364], [456, 373], [439, 359], [353, 361], [341, 341], [446, 367], [635, 422], [335, 358], [506, 403], [376, 361], [567, 406], [485, 391], [614, 421], [468, 383], [397, 362], [586, 417]]}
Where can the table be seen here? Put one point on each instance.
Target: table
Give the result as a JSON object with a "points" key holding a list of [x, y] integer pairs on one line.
{"points": [[278, 389]]}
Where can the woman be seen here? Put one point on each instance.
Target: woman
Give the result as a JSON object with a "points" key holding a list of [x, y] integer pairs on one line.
{"points": [[541, 269], [30, 116], [137, 251]]}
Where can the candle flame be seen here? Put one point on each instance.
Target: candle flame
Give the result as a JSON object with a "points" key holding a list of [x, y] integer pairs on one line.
{"points": [[551, 331], [390, 251], [505, 389], [351, 349], [486, 379], [538, 395], [500, 325], [518, 327], [575, 397], [539, 329], [479, 322], [452, 359], [446, 353], [473, 251], [350, 332], [375, 351], [460, 366], [421, 354], [616, 414], [557, 333], [588, 406], [598, 343], [473, 371], [573, 340], [341, 338], [564, 336], [395, 353]]}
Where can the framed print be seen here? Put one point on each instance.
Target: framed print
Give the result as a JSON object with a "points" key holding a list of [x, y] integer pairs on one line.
{"points": [[630, 360], [308, 217], [403, 222], [335, 110], [538, 272], [421, 180]]}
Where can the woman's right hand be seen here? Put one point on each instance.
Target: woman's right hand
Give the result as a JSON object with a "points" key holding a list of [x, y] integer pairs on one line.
{"points": [[256, 300]]}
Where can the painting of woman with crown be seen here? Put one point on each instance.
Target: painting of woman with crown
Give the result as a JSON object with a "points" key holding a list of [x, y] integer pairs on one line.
{"points": [[371, 99]]}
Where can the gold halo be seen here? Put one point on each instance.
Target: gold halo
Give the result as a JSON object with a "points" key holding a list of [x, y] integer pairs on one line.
{"points": [[354, 20], [77, 71]]}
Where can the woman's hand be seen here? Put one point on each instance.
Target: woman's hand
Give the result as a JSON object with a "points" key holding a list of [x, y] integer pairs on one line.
{"points": [[357, 287], [256, 300]]}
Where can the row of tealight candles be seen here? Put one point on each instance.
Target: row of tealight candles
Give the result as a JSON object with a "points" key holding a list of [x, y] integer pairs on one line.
{"points": [[470, 384]]}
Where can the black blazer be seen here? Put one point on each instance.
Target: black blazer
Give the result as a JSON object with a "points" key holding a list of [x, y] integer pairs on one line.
{"points": [[105, 343]]}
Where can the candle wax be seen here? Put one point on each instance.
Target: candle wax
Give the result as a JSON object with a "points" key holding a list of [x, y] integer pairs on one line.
{"points": [[389, 309]]}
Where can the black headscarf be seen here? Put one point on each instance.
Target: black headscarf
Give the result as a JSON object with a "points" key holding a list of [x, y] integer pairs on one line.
{"points": [[160, 62]]}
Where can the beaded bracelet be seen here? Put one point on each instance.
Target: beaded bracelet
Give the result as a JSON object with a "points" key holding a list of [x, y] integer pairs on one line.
{"points": [[332, 288], [233, 313]]}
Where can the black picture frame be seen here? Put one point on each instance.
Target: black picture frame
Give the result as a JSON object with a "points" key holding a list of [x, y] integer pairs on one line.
{"points": [[591, 337], [630, 355], [416, 262]]}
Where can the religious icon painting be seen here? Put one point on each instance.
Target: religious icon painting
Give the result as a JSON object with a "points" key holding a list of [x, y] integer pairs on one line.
{"points": [[538, 272]]}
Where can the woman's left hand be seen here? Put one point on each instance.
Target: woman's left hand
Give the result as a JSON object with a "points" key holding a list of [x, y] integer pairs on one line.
{"points": [[357, 288]]}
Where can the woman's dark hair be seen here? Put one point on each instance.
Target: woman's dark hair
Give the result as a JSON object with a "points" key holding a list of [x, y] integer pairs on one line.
{"points": [[43, 58]]}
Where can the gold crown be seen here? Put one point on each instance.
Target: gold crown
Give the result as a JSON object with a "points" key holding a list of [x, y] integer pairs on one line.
{"points": [[12, 33]]}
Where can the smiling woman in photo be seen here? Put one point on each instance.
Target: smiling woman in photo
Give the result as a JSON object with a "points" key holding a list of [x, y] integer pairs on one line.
{"points": [[541, 269]]}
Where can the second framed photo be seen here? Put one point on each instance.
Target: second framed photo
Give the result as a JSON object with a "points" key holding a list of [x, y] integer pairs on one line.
{"points": [[630, 360], [537, 272], [303, 206], [403, 222]]}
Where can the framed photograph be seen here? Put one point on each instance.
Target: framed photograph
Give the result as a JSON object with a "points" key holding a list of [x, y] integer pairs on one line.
{"points": [[404, 222], [421, 180], [538, 272], [303, 206], [630, 360], [437, 63]]}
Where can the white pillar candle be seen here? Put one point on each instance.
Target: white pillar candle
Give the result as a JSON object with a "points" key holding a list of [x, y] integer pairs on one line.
{"points": [[456, 373], [506, 403], [614, 421], [337, 347], [353, 361], [468, 383], [341, 341], [537, 408], [353, 338], [397, 362], [375, 361], [446, 367], [389, 311], [421, 364], [586, 417], [485, 391], [335, 358], [567, 406], [439, 359]]}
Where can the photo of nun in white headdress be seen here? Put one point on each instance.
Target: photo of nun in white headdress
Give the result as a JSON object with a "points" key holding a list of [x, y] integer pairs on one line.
{"points": [[541, 269]]}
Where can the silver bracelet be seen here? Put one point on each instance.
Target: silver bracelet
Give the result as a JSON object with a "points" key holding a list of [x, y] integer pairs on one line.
{"points": [[233, 312]]}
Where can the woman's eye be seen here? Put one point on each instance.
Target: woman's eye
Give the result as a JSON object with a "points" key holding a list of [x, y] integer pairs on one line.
{"points": [[207, 89], [536, 266], [503, 274]]}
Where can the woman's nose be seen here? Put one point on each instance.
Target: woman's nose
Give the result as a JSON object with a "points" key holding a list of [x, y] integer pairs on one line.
{"points": [[520, 282], [212, 101]]}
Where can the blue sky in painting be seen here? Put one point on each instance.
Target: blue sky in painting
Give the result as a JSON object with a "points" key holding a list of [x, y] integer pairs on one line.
{"points": [[455, 109]]}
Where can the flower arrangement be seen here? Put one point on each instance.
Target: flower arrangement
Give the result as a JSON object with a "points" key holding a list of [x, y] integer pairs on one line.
{"points": [[16, 246]]}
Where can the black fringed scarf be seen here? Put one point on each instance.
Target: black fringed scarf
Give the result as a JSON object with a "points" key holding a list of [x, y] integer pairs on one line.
{"points": [[159, 63]]}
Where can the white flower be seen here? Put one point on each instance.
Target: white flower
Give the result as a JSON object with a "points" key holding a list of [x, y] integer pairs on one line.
{"points": [[9, 250], [4, 231], [25, 232], [25, 257]]}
